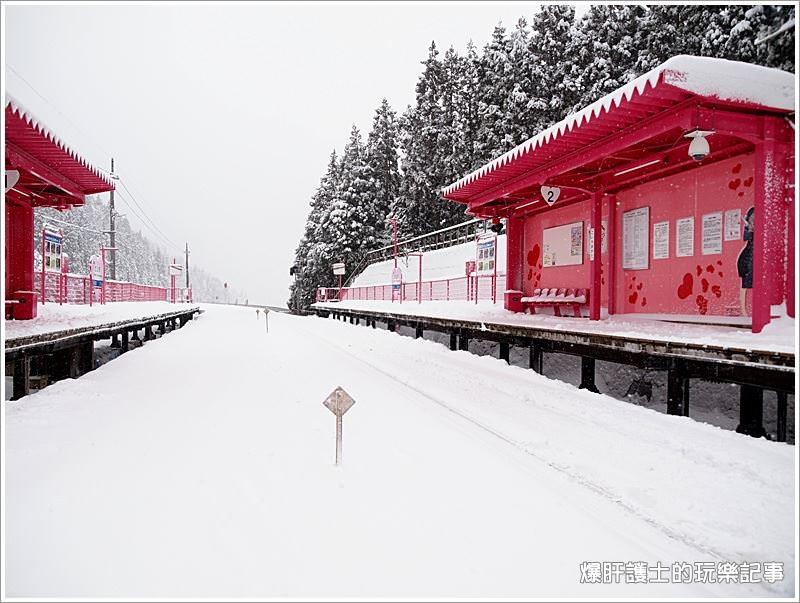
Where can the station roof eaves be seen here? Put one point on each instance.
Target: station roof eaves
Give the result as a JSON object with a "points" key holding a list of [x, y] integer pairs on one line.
{"points": [[719, 79], [29, 133]]}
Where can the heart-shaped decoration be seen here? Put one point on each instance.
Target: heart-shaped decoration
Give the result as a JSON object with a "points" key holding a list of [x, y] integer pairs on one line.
{"points": [[12, 177], [550, 194]]}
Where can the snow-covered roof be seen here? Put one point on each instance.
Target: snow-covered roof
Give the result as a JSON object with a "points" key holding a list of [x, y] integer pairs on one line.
{"points": [[29, 118], [719, 79]]}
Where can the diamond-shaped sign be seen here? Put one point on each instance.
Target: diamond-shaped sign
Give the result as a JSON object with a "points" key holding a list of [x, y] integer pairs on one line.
{"points": [[339, 402]]}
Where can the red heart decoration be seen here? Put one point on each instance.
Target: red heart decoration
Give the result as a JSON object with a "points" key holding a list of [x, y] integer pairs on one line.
{"points": [[685, 288]]}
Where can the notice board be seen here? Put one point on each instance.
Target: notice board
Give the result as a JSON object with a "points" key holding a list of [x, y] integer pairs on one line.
{"points": [[636, 239], [563, 245]]}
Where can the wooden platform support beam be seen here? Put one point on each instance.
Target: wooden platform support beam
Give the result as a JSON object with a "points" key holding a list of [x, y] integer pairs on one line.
{"points": [[781, 419], [453, 340], [125, 345], [505, 351], [418, 331], [751, 411], [463, 341], [22, 377], [676, 387], [536, 358], [587, 375]]}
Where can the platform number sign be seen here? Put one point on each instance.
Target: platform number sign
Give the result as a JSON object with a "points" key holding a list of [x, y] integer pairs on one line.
{"points": [[550, 194]]}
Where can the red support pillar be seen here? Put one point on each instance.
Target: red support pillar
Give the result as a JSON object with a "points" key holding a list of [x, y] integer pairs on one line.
{"points": [[596, 261], [767, 225], [790, 235], [514, 257], [611, 257]]}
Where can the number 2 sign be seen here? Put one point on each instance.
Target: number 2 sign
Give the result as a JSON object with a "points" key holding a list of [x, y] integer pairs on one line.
{"points": [[550, 194]]}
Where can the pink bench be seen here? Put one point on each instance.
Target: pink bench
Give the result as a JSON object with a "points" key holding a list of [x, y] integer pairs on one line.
{"points": [[556, 298]]}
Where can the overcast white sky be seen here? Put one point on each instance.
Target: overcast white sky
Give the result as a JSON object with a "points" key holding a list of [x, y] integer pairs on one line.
{"points": [[221, 118]]}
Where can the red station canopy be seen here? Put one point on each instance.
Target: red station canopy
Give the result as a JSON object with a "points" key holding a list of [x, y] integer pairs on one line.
{"points": [[51, 174], [633, 135]]}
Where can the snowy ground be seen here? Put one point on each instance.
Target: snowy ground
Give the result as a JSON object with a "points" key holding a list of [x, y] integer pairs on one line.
{"points": [[53, 317], [188, 469], [778, 336]]}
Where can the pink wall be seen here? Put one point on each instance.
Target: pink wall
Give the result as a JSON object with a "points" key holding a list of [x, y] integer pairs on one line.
{"points": [[700, 284], [534, 274]]}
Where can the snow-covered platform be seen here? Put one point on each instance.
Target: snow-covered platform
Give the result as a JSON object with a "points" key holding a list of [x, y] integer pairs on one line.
{"points": [[461, 477], [777, 337], [775, 345], [54, 319], [684, 350], [59, 343]]}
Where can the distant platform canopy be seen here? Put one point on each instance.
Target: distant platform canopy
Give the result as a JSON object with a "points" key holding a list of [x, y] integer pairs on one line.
{"points": [[50, 173], [41, 171], [633, 135]]}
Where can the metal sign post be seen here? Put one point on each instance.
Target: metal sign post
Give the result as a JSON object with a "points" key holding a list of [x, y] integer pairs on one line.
{"points": [[338, 269], [266, 318], [338, 402]]}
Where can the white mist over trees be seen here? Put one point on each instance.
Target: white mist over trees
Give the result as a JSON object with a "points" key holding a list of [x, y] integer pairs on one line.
{"points": [[138, 260], [474, 107]]}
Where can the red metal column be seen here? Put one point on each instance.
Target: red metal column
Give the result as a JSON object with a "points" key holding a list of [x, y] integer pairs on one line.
{"points": [[767, 225], [789, 196], [596, 261], [611, 257], [514, 257]]}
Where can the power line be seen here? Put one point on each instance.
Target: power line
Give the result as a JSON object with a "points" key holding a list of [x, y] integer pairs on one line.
{"points": [[147, 217], [147, 223], [144, 217], [40, 95]]}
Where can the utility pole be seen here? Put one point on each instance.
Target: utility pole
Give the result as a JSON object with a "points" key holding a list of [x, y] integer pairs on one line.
{"points": [[186, 265], [112, 230]]}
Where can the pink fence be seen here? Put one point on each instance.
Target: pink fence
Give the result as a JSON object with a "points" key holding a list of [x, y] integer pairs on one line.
{"points": [[75, 289], [463, 288]]}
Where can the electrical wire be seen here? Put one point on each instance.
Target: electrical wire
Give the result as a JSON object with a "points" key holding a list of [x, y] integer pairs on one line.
{"points": [[72, 123], [144, 217]]}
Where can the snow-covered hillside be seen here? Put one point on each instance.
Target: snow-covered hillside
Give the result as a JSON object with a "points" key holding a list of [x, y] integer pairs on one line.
{"points": [[437, 264]]}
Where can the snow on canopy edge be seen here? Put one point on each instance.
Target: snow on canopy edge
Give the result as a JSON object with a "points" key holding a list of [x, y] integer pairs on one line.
{"points": [[704, 76], [17, 108]]}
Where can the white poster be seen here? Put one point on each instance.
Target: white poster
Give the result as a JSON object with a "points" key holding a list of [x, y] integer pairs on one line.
{"points": [[733, 224], [603, 242], [684, 238], [562, 245], [636, 239], [712, 233], [661, 241]]}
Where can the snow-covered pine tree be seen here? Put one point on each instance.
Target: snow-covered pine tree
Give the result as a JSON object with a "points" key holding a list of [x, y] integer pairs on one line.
{"points": [[419, 208], [383, 163], [606, 46], [313, 257], [495, 85], [552, 65]]}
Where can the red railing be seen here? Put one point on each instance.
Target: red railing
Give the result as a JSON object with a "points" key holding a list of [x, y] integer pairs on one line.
{"points": [[76, 289], [472, 288]]}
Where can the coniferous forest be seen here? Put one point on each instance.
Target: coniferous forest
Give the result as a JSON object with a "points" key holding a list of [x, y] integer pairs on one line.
{"points": [[474, 106]]}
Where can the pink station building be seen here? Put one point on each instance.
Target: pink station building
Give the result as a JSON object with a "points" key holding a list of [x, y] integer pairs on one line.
{"points": [[683, 179]]}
